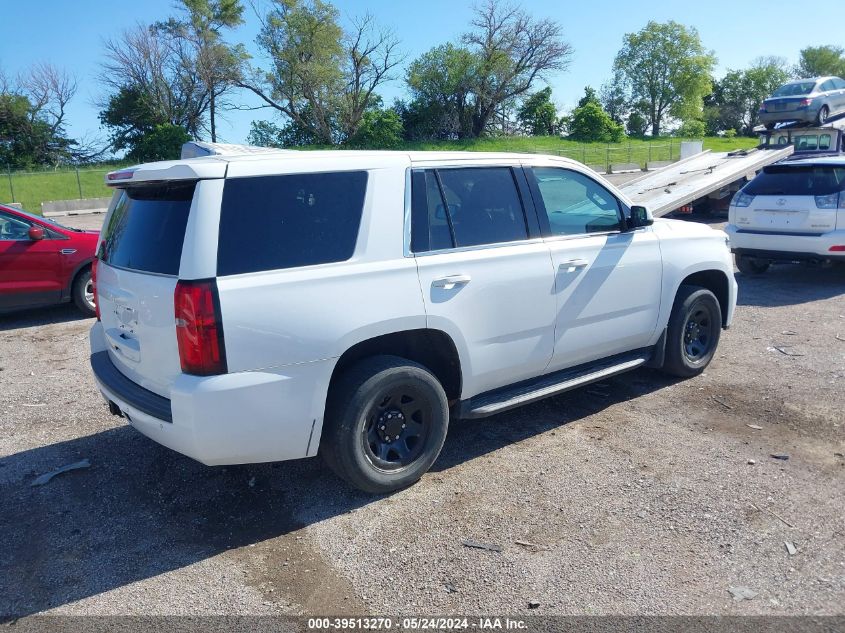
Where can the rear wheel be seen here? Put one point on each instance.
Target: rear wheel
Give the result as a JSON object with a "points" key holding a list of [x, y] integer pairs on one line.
{"points": [[386, 421], [83, 293], [693, 333], [751, 265], [824, 113]]}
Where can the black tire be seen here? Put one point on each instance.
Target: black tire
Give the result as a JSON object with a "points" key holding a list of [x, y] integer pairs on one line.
{"points": [[824, 113], [751, 265], [82, 293], [693, 333], [386, 421]]}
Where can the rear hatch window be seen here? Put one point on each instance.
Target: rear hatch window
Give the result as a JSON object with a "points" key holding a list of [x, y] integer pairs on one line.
{"points": [[277, 222], [805, 180], [147, 228]]}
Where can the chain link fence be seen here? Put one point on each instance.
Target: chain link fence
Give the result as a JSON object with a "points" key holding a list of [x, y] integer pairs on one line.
{"points": [[601, 157], [30, 188]]}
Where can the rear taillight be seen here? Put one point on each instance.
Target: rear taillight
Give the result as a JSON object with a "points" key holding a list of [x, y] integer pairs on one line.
{"points": [[742, 199], [94, 287], [837, 248], [199, 331], [827, 202], [805, 102]]}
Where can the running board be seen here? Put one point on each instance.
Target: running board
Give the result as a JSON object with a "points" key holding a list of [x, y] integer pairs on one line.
{"points": [[499, 400]]}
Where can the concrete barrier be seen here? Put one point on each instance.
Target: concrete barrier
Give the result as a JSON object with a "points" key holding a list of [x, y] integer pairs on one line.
{"points": [[56, 208], [624, 168], [14, 205], [599, 169]]}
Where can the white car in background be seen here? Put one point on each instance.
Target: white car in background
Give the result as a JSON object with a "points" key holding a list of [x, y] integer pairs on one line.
{"points": [[793, 211]]}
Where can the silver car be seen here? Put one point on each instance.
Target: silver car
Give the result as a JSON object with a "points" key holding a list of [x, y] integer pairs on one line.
{"points": [[808, 100]]}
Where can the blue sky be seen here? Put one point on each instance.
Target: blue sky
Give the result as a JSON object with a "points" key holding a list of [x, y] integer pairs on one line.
{"points": [[70, 34]]}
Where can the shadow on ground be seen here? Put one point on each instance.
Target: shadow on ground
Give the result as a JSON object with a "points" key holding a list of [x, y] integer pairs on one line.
{"points": [[142, 510], [791, 284], [62, 313]]}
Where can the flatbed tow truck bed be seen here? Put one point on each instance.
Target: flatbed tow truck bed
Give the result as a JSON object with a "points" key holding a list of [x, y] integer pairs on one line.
{"points": [[707, 174]]}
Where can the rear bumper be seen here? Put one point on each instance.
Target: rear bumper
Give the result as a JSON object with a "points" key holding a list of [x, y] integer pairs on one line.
{"points": [[807, 115], [239, 418], [780, 247]]}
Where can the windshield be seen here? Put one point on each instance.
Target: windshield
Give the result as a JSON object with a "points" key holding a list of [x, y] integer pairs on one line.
{"points": [[47, 220], [794, 90], [804, 180]]}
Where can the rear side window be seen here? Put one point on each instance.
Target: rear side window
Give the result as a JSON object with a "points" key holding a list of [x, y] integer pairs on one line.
{"points": [[147, 228], [276, 222], [811, 180]]}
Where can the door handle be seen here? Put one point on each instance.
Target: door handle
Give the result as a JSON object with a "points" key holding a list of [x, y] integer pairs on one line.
{"points": [[573, 264], [447, 283]]}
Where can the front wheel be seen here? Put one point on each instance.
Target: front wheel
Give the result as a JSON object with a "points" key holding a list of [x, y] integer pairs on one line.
{"points": [[386, 421], [693, 333], [83, 293], [824, 113], [751, 265]]}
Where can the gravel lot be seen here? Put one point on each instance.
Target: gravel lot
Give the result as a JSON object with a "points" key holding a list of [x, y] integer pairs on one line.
{"points": [[634, 496]]}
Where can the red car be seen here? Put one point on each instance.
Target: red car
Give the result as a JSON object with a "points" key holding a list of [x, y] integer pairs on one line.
{"points": [[43, 262]]}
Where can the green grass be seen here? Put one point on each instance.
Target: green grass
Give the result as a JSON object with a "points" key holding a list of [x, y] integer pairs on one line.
{"points": [[598, 154], [33, 188]]}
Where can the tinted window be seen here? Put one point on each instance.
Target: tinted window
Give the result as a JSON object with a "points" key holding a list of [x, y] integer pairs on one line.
{"points": [[828, 85], [780, 180], [576, 204], [793, 90], [275, 222], [147, 228], [483, 205], [12, 228], [838, 83], [431, 229]]}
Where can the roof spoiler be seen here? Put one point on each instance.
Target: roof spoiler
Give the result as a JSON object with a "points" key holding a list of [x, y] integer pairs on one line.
{"points": [[197, 149]]}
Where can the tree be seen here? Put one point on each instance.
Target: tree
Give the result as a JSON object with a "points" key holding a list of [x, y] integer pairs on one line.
{"points": [[322, 78], [442, 84], [614, 99], [462, 91], [379, 129], [637, 124], [164, 142], [513, 50], [590, 96], [148, 66], [590, 123], [666, 66], [538, 114], [738, 95], [32, 119], [818, 61], [215, 63]]}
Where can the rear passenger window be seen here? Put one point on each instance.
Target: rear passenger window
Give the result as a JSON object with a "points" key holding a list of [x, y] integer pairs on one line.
{"points": [[468, 206], [276, 222]]}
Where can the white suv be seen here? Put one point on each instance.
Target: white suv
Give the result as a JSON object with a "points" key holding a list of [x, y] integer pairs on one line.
{"points": [[263, 308], [792, 211]]}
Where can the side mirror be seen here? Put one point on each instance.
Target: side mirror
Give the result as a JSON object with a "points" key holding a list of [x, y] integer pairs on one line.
{"points": [[36, 233], [639, 218]]}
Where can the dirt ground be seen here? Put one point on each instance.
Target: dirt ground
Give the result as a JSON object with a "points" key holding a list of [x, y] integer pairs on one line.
{"points": [[640, 495]]}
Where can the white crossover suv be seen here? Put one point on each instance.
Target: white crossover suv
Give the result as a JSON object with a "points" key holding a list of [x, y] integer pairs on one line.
{"points": [[793, 211], [268, 307]]}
